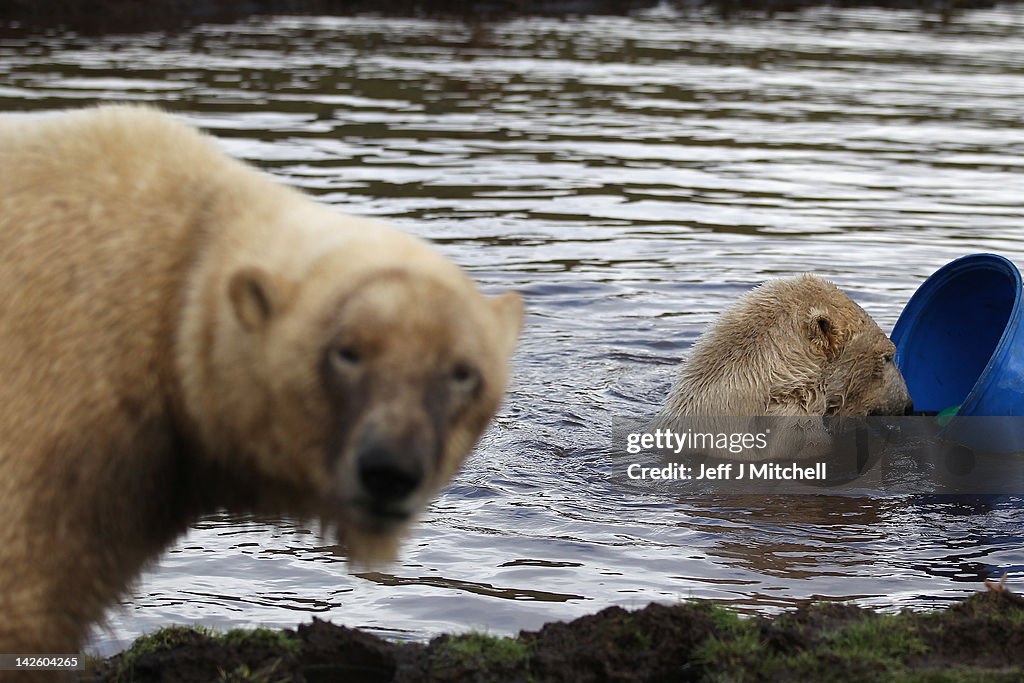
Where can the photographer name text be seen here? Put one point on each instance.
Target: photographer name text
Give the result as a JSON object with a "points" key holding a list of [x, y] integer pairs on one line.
{"points": [[730, 472]]}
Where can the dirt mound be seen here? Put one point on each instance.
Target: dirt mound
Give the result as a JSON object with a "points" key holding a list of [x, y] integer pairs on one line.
{"points": [[981, 638]]}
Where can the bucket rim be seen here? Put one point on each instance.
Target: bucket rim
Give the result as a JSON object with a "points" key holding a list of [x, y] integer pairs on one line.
{"points": [[922, 298]]}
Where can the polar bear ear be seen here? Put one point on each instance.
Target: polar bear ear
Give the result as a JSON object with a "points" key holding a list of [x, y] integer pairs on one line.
{"points": [[821, 330], [508, 308], [256, 296]]}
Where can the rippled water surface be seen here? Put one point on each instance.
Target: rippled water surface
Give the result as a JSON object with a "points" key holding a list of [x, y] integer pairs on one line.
{"points": [[631, 177]]}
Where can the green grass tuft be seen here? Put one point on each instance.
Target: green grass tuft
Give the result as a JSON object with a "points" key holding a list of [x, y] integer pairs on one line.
{"points": [[501, 651], [488, 658], [261, 637]]}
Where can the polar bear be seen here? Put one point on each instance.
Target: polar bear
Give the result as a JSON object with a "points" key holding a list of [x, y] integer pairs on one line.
{"points": [[180, 334], [787, 367], [792, 347]]}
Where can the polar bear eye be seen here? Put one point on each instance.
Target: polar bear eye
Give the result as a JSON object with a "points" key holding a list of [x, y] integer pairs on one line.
{"points": [[889, 357], [464, 376], [346, 356]]}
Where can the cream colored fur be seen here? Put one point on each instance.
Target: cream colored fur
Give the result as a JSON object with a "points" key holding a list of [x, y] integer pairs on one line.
{"points": [[164, 313], [796, 350], [793, 346]]}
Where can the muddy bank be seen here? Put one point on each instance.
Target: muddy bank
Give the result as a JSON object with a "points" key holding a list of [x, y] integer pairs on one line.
{"points": [[130, 16], [979, 639]]}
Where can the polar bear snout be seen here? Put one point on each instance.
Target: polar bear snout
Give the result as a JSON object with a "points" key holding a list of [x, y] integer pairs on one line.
{"points": [[896, 400], [388, 475]]}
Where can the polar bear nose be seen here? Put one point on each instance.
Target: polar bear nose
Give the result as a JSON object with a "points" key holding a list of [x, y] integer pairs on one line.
{"points": [[389, 474], [908, 409]]}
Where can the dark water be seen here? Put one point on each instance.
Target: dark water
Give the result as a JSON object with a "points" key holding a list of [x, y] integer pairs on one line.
{"points": [[631, 177]]}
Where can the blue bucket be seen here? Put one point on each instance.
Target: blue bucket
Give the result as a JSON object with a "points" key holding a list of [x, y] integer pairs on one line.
{"points": [[960, 339]]}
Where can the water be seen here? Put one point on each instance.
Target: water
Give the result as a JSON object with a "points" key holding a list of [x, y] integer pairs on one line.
{"points": [[631, 177]]}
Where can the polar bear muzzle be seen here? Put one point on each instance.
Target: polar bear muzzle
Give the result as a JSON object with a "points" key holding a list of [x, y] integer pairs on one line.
{"points": [[409, 387], [389, 473]]}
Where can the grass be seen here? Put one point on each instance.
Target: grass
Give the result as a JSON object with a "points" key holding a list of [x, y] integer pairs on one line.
{"points": [[892, 648], [261, 637], [174, 637], [479, 652], [164, 639]]}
